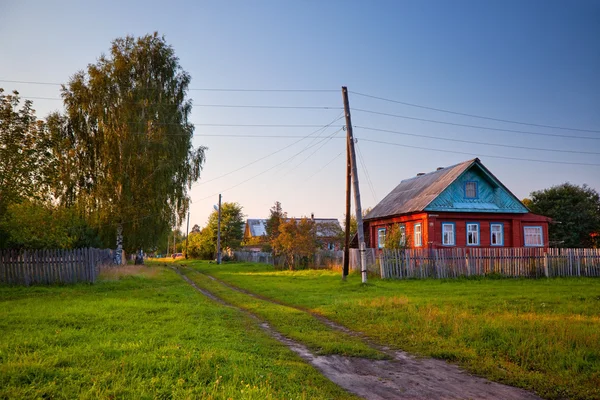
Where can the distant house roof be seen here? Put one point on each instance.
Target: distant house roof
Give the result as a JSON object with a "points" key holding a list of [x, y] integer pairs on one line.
{"points": [[257, 227], [327, 227], [416, 194]]}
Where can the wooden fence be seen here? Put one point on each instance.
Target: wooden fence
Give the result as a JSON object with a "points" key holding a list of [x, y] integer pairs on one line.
{"points": [[31, 267], [516, 262]]}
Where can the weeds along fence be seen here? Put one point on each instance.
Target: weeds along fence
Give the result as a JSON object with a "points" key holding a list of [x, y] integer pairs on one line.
{"points": [[515, 262], [322, 258], [30, 267]]}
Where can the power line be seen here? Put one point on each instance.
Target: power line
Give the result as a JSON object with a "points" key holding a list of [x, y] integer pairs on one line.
{"points": [[327, 140], [261, 173], [479, 155], [270, 154], [194, 89], [473, 115], [366, 172], [323, 167], [475, 142], [258, 106], [473, 126]]}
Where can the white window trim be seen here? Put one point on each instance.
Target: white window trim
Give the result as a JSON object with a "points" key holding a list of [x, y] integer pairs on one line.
{"points": [[380, 243], [453, 231], [478, 234], [418, 243], [541, 236], [501, 234]]}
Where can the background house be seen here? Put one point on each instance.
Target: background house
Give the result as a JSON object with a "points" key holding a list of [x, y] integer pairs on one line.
{"points": [[255, 234], [463, 205]]}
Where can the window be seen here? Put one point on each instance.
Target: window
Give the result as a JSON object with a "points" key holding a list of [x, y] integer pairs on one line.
{"points": [[473, 234], [381, 238], [402, 230], [418, 236], [471, 190], [533, 236], [448, 234], [497, 234]]}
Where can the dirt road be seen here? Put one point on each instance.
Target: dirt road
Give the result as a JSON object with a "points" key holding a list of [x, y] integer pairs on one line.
{"points": [[401, 377]]}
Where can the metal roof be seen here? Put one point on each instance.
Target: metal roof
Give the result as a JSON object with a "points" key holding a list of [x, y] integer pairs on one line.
{"points": [[258, 227], [414, 194]]}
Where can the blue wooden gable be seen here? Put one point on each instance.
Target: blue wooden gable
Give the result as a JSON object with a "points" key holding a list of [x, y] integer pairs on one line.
{"points": [[476, 190]]}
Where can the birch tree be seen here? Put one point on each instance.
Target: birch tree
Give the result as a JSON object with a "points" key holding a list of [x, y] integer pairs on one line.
{"points": [[127, 119]]}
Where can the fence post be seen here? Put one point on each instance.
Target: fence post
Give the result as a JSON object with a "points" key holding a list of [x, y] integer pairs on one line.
{"points": [[546, 264]]}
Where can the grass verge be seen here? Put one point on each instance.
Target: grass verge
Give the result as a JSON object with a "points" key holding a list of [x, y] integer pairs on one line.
{"points": [[295, 324], [142, 333], [542, 335]]}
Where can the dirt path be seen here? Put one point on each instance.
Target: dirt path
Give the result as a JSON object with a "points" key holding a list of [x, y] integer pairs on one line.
{"points": [[402, 377]]}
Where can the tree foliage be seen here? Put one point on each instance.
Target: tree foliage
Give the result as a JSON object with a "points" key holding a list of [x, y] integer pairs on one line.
{"points": [[296, 242], [35, 225], [232, 226], [24, 152], [126, 142], [575, 211], [276, 216]]}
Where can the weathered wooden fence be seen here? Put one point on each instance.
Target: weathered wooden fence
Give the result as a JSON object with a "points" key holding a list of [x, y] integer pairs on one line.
{"points": [[516, 262], [322, 258], [30, 267], [253, 256], [371, 258]]}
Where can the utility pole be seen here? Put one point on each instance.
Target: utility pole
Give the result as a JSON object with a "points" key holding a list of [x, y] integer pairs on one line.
{"points": [[219, 234], [350, 139], [187, 235], [346, 267]]}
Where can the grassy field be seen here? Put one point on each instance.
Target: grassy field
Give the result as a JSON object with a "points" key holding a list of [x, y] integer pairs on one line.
{"points": [[142, 332], [542, 335]]}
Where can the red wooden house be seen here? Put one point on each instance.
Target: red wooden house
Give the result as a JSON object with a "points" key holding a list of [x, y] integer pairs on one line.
{"points": [[463, 205]]}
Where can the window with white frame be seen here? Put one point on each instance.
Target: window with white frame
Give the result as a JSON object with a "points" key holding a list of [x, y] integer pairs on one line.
{"points": [[473, 234], [533, 236], [402, 229], [381, 238], [418, 236], [497, 234], [448, 234], [471, 190]]}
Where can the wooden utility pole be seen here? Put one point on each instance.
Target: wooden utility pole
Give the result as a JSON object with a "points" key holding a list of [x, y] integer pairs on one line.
{"points": [[219, 233], [350, 139], [346, 268], [187, 234]]}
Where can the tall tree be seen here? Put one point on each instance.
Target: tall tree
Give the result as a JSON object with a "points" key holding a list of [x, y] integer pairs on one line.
{"points": [[24, 152], [296, 241], [276, 217], [232, 225], [128, 123], [575, 211]]}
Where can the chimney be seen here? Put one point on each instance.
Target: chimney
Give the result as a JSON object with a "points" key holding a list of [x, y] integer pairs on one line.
{"points": [[312, 216], [421, 174], [438, 168]]}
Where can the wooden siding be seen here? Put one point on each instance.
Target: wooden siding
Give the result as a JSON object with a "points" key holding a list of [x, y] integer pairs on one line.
{"points": [[491, 196], [432, 228]]}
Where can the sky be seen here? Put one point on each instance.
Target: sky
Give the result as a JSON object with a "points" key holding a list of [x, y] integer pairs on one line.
{"points": [[532, 62]]}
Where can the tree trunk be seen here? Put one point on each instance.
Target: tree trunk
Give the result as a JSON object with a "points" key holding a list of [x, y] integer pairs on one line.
{"points": [[119, 253]]}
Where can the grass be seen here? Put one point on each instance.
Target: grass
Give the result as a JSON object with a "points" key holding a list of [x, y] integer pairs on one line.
{"points": [[293, 323], [142, 333], [542, 335]]}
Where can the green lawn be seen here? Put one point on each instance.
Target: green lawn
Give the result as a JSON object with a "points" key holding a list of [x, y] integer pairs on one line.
{"points": [[142, 333], [542, 335]]}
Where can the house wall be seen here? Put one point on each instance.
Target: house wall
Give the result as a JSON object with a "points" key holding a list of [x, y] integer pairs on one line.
{"points": [[432, 228]]}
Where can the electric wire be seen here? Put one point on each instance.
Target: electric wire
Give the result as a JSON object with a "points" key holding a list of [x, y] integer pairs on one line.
{"points": [[479, 155], [313, 153], [366, 172], [475, 142], [324, 166], [474, 115], [474, 126]]}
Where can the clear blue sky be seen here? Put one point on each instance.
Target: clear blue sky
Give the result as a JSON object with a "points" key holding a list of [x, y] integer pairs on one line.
{"points": [[530, 61]]}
